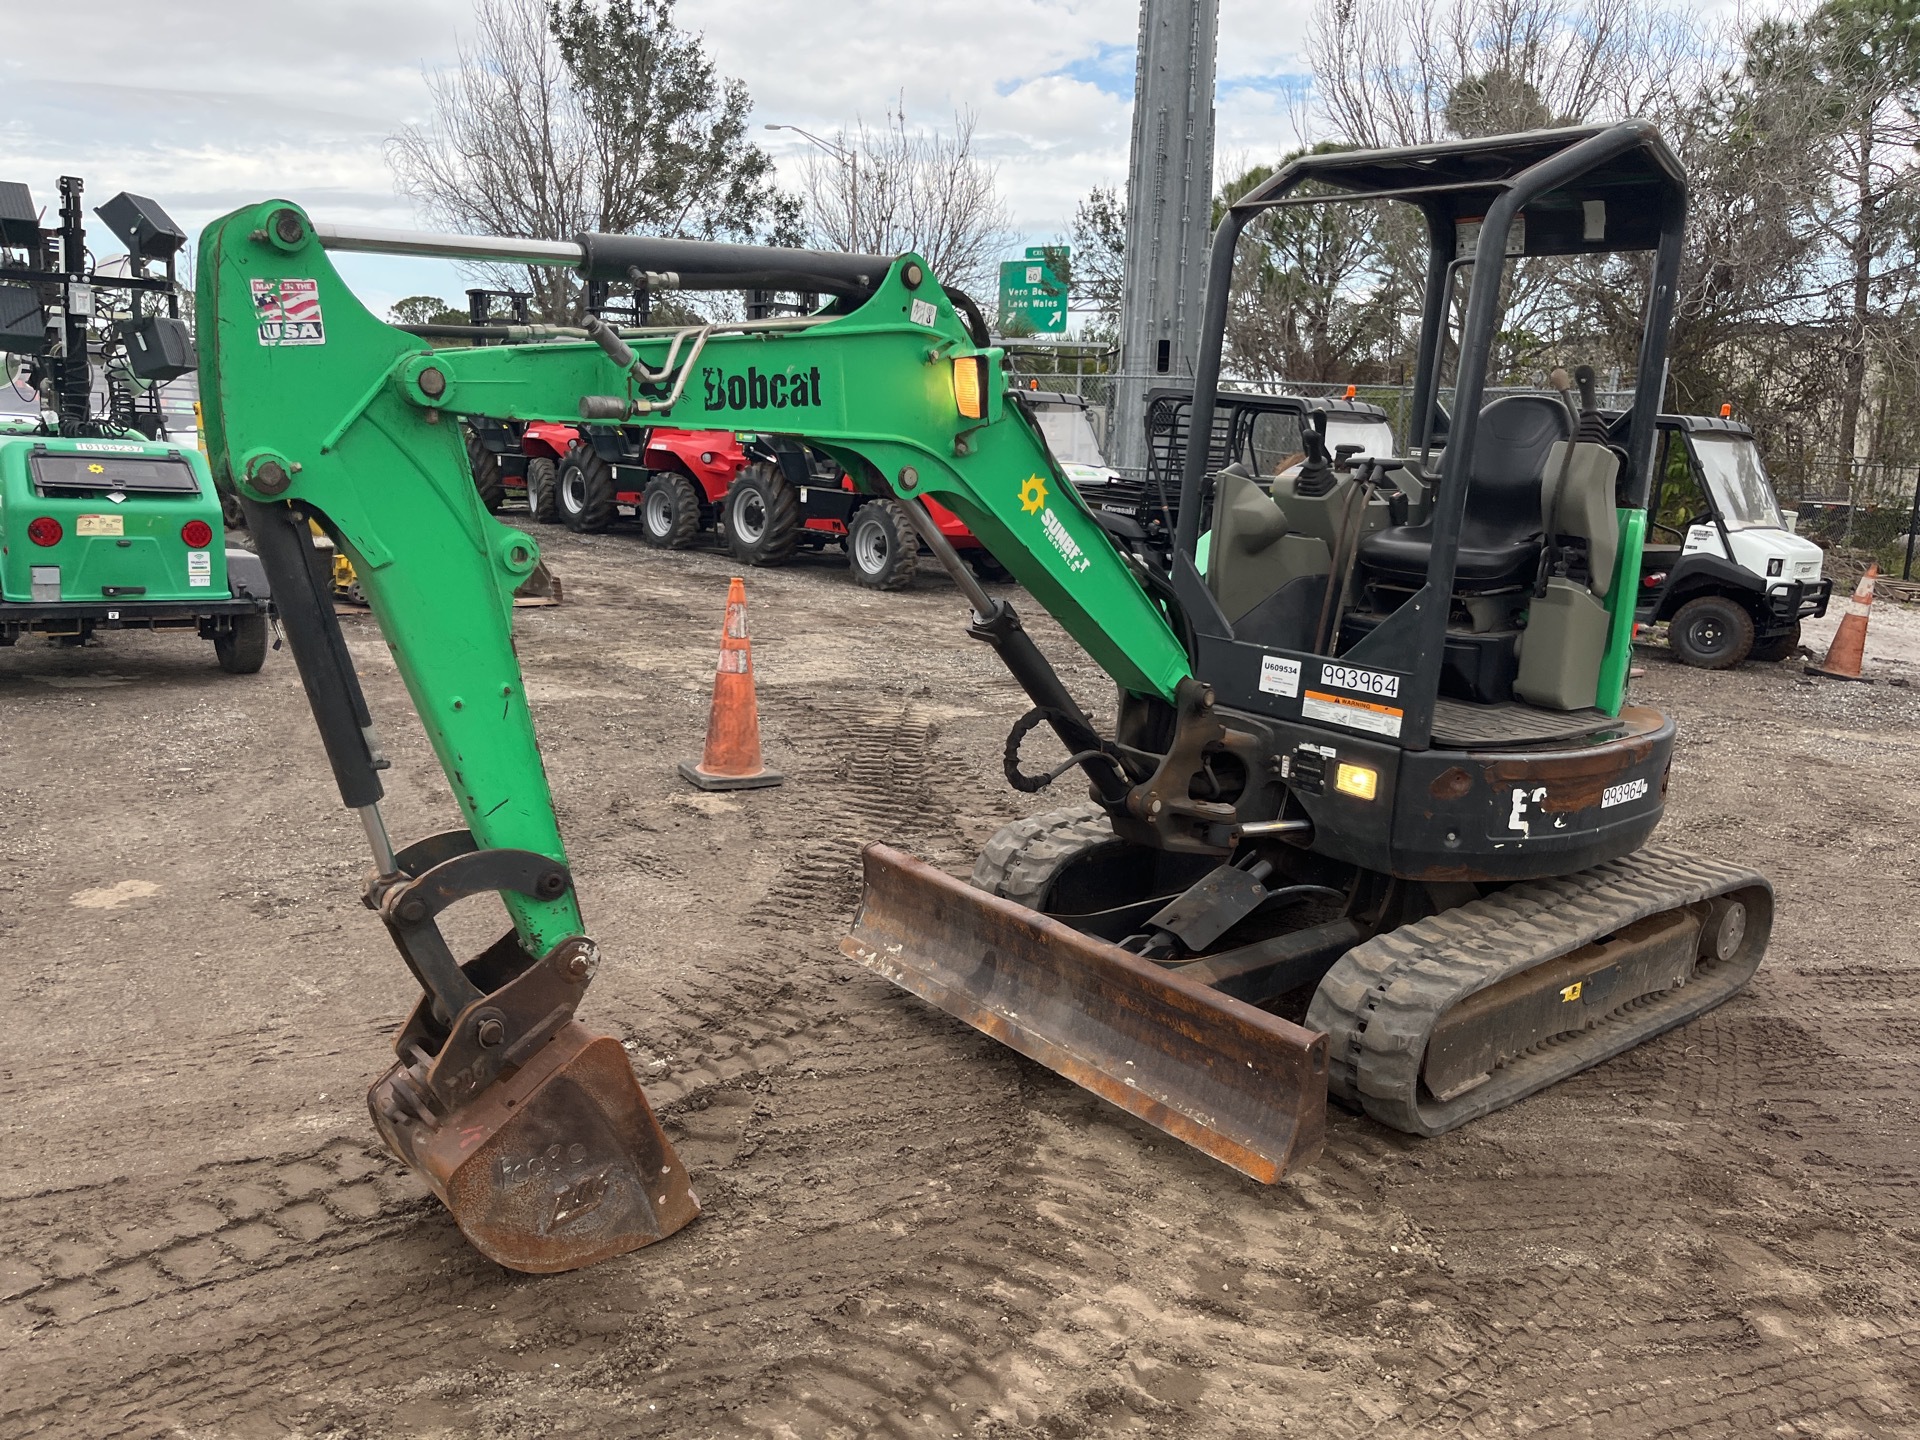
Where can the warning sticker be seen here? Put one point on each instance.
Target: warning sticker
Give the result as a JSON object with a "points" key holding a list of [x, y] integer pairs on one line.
{"points": [[289, 312], [1279, 675], [1352, 713], [921, 312], [200, 567], [100, 525]]}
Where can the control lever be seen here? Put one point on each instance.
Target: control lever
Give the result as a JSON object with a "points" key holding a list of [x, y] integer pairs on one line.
{"points": [[1563, 382], [1316, 475], [1593, 426]]}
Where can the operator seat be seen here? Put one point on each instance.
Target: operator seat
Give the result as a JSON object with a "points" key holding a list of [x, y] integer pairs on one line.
{"points": [[1500, 533]]}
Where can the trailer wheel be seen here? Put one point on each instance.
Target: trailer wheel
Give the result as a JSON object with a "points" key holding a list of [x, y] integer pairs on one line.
{"points": [[486, 473], [586, 490], [243, 649], [543, 483], [882, 547], [761, 521], [1771, 652], [1711, 632]]}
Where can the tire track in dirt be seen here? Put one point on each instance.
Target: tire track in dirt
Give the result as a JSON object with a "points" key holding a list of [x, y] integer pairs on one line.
{"points": [[788, 1092], [240, 1221], [97, 1258], [1617, 1317], [909, 1289]]}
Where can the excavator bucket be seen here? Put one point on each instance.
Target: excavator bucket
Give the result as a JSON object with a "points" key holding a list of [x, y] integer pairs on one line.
{"points": [[1244, 1086], [541, 587], [558, 1165]]}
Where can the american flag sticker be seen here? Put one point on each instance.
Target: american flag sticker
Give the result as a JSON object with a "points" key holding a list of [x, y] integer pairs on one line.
{"points": [[288, 312]]}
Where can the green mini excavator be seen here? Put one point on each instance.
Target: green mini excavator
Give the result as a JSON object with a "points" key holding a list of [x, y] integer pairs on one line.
{"points": [[1371, 817]]}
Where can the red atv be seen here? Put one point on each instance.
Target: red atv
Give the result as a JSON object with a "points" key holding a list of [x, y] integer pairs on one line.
{"points": [[765, 498], [518, 460], [772, 496], [792, 497]]}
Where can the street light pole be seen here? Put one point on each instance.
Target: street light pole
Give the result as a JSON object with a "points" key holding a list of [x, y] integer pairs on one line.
{"points": [[847, 158]]}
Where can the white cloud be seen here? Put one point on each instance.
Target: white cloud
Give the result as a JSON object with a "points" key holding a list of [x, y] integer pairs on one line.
{"points": [[237, 102]]}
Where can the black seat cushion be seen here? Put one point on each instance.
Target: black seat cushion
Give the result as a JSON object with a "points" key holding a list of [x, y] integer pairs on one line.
{"points": [[1500, 533]]}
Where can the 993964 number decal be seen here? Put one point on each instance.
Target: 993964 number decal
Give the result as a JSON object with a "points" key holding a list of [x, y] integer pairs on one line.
{"points": [[1625, 791]]}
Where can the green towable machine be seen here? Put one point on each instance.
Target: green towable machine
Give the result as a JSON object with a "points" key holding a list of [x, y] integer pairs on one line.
{"points": [[105, 522], [1369, 821]]}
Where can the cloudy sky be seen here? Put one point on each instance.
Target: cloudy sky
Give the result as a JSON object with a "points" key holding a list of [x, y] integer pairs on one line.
{"points": [[209, 104]]}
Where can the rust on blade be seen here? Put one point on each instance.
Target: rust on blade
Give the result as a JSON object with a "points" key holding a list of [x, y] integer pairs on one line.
{"points": [[1233, 1081], [556, 1165]]}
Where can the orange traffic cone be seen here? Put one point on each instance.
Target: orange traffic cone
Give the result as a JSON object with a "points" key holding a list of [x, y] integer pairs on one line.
{"points": [[1849, 646], [732, 757]]}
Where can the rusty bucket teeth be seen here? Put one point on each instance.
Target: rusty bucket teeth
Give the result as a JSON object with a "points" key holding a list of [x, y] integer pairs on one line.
{"points": [[1244, 1086], [558, 1165]]}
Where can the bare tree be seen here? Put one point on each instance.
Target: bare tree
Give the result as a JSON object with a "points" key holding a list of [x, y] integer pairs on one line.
{"points": [[1312, 293], [1099, 259], [563, 118], [888, 189], [1851, 72], [1408, 72]]}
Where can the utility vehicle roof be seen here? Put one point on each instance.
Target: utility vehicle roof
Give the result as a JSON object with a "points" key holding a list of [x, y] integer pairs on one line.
{"points": [[1705, 424], [1458, 181], [1690, 424]]}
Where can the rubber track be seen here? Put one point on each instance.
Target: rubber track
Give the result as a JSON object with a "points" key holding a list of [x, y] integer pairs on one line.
{"points": [[1022, 859], [1381, 1000]]}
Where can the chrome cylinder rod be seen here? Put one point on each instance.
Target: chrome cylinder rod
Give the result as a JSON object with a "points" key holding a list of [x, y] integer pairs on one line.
{"points": [[374, 240]]}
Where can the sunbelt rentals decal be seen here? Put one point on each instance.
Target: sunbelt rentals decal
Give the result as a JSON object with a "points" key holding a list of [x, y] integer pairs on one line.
{"points": [[288, 312], [1033, 500]]}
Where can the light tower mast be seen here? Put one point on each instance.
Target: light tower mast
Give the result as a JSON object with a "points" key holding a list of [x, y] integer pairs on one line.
{"points": [[1169, 213]]}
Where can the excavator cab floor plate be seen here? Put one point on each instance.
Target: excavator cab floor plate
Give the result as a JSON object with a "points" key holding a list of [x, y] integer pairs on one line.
{"points": [[1244, 1086]]}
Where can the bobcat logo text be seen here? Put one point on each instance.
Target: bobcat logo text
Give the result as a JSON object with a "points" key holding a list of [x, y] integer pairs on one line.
{"points": [[756, 391]]}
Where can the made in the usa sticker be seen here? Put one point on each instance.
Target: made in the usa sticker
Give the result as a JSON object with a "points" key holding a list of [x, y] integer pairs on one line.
{"points": [[288, 312]]}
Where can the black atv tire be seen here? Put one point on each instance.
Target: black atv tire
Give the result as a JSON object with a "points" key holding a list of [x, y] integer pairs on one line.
{"points": [[1711, 632], [543, 490], [762, 517], [1772, 652], [987, 568], [243, 649], [585, 490], [883, 548], [486, 473], [669, 511]]}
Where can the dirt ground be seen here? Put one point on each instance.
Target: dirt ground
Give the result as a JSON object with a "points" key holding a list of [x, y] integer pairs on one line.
{"points": [[908, 1231]]}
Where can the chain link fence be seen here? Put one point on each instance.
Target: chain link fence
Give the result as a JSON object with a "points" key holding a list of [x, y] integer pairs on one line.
{"points": [[1866, 505]]}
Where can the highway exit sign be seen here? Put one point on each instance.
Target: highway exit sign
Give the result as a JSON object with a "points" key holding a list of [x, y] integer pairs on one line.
{"points": [[1033, 299]]}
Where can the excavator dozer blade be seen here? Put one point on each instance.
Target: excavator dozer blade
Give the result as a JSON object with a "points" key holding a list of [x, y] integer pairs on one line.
{"points": [[560, 1164], [1246, 1087]]}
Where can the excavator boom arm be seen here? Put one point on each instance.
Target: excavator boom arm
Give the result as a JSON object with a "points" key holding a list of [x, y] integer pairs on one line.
{"points": [[533, 1132]]}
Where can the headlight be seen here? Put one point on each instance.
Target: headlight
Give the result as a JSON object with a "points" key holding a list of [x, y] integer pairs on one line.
{"points": [[970, 387], [1357, 780]]}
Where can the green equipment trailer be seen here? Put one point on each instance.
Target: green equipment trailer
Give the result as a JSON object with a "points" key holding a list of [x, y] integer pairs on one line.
{"points": [[106, 523]]}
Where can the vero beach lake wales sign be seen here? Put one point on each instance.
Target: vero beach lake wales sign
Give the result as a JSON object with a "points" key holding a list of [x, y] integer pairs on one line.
{"points": [[1033, 296]]}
